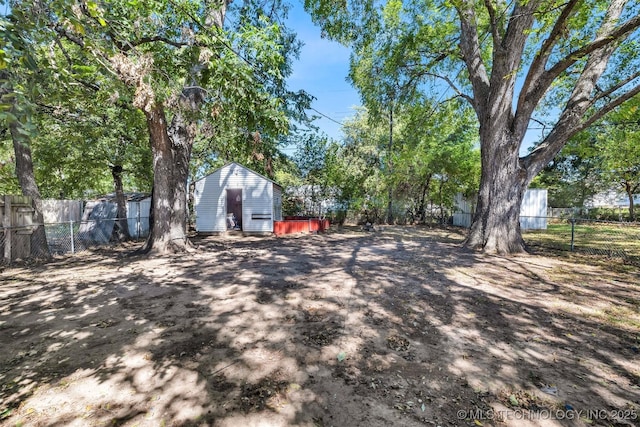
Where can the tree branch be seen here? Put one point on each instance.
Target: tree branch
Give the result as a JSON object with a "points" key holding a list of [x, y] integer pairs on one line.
{"points": [[532, 92], [557, 30], [603, 41], [615, 87], [452, 85], [127, 46], [507, 58], [521, 19], [63, 50], [609, 107], [470, 47], [60, 30], [569, 122], [94, 87], [541, 123], [493, 22], [564, 130], [538, 80]]}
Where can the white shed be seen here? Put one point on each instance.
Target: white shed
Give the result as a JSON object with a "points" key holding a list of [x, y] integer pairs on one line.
{"points": [[236, 198], [533, 210]]}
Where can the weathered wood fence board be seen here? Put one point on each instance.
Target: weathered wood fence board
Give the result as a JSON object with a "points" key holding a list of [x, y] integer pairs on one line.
{"points": [[17, 225], [57, 211]]}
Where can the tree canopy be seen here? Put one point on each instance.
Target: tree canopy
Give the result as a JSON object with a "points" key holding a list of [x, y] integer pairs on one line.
{"points": [[209, 75], [563, 64], [603, 158], [434, 157]]}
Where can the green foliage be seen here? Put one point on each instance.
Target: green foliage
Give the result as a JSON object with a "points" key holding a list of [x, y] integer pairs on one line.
{"points": [[288, 176], [92, 63], [619, 146], [606, 214], [402, 49], [73, 113], [314, 194], [74, 156], [575, 175], [605, 157], [439, 158], [358, 167], [8, 180], [436, 157]]}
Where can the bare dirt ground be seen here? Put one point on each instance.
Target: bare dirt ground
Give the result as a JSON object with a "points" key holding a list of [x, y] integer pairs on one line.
{"points": [[399, 327]]}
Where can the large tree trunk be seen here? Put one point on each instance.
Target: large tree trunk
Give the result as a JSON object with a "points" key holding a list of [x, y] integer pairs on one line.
{"points": [[496, 223], [167, 231], [171, 148], [504, 178], [122, 225], [29, 187], [182, 135]]}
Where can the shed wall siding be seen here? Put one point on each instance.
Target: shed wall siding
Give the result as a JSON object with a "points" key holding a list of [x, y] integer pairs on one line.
{"points": [[138, 217], [211, 204], [533, 211]]}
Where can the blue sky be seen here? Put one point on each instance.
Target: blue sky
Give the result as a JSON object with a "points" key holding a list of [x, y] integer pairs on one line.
{"points": [[322, 71]]}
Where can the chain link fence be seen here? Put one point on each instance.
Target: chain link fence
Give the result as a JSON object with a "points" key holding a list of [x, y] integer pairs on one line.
{"points": [[590, 237], [66, 237], [580, 235], [586, 236], [72, 236]]}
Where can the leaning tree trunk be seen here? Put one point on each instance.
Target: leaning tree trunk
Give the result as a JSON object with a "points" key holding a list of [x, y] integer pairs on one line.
{"points": [[121, 201], [496, 223], [29, 187]]}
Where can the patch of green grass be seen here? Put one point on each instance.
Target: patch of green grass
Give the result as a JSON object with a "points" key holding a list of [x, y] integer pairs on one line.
{"points": [[610, 239], [5, 413], [620, 316]]}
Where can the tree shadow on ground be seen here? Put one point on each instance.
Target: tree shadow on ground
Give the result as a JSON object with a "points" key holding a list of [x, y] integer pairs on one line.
{"points": [[399, 327]]}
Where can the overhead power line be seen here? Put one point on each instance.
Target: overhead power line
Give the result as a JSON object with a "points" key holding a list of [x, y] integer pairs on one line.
{"points": [[326, 117]]}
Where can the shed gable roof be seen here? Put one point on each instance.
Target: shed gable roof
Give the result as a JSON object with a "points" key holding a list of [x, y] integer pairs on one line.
{"points": [[243, 167]]}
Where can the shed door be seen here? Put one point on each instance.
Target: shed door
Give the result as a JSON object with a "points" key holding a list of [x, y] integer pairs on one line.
{"points": [[234, 206]]}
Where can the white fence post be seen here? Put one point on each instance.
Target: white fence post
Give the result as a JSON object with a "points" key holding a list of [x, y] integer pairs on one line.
{"points": [[6, 224], [71, 231], [138, 223]]}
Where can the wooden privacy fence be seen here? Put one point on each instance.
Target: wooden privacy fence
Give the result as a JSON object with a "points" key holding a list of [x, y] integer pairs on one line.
{"points": [[57, 211], [17, 227], [292, 226]]}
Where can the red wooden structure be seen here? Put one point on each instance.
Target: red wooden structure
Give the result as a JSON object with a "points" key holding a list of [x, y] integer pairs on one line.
{"points": [[292, 225]]}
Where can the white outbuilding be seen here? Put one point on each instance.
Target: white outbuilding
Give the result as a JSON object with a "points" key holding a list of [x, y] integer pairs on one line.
{"points": [[236, 198], [533, 210]]}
